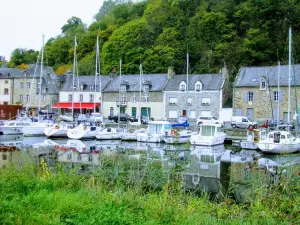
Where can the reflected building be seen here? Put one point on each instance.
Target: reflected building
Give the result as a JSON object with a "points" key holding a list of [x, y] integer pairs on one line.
{"points": [[9, 157], [71, 156]]}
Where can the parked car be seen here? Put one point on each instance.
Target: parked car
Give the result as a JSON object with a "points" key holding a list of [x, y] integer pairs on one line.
{"points": [[272, 124], [123, 117], [208, 120], [242, 122]]}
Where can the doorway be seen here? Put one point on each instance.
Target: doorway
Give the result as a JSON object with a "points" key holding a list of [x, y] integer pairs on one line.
{"points": [[250, 113]]}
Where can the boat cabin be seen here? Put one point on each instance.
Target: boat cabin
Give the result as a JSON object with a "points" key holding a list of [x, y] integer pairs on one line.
{"points": [[159, 127], [209, 130]]}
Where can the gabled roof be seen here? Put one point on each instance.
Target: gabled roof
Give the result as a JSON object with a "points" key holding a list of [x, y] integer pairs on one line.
{"points": [[209, 81], [158, 82], [86, 80], [251, 76], [29, 72]]}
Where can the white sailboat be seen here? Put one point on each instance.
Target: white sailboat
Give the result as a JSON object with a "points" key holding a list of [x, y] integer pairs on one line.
{"points": [[58, 130], [209, 135], [280, 142]]}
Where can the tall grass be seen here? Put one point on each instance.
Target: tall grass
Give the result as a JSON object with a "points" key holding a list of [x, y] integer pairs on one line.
{"points": [[136, 191]]}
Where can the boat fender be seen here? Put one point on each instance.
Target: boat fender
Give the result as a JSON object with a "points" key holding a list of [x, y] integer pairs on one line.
{"points": [[57, 127], [85, 127], [173, 132]]}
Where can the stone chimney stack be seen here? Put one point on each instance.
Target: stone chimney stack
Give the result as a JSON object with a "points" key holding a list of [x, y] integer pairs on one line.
{"points": [[171, 72]]}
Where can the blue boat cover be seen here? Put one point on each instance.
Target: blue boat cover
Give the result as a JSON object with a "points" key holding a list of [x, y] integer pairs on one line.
{"points": [[185, 124]]}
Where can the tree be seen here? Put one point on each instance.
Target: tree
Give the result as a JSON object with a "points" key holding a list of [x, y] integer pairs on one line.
{"points": [[73, 24]]}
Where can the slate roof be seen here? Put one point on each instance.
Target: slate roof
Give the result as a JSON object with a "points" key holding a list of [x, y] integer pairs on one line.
{"points": [[87, 81], [18, 73], [250, 76], [158, 82], [209, 81]]}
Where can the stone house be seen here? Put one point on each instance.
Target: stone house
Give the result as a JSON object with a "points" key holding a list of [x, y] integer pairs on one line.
{"points": [[256, 94], [202, 95], [22, 87], [123, 93], [86, 95]]}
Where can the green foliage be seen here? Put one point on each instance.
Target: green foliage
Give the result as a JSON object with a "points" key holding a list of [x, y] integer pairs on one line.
{"points": [[159, 33], [22, 56]]}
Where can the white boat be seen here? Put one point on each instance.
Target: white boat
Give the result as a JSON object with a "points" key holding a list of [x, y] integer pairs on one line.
{"points": [[82, 131], [209, 135], [109, 133], [131, 134], [35, 129], [253, 137], [58, 130], [178, 137], [279, 142], [66, 117], [13, 127], [156, 132]]}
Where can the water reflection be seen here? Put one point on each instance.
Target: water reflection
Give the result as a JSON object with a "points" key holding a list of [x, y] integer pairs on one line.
{"points": [[203, 168]]}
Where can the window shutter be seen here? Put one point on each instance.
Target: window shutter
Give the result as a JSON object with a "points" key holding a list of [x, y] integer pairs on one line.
{"points": [[254, 96], [272, 95], [246, 97]]}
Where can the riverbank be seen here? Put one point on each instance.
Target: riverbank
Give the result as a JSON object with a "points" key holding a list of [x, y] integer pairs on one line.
{"points": [[125, 193]]}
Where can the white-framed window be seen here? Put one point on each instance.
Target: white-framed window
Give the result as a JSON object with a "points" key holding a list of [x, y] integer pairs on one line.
{"points": [[27, 98], [6, 91], [198, 86], [21, 98], [145, 98], [192, 114], [250, 96], [275, 96], [205, 101], [173, 114], [173, 100], [134, 99], [263, 83], [21, 85], [69, 98], [92, 88], [81, 97], [28, 84], [123, 99], [91, 97], [182, 86], [123, 88], [189, 100]]}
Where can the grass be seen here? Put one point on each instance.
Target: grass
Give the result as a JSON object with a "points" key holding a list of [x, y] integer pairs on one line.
{"points": [[135, 192]]}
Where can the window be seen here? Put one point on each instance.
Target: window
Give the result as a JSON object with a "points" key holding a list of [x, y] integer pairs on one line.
{"points": [[6, 81], [192, 114], [182, 86], [134, 99], [146, 88], [21, 85], [70, 98], [28, 84], [146, 98], [27, 98], [123, 88], [205, 101], [172, 100], [6, 91], [189, 101], [198, 86], [92, 87], [123, 100], [21, 98], [91, 98], [263, 84], [81, 97], [250, 96], [275, 96], [173, 114]]}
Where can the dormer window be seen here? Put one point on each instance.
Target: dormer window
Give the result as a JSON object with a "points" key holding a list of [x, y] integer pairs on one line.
{"points": [[198, 86], [123, 88], [81, 87], [263, 83], [146, 88], [182, 86], [92, 88]]}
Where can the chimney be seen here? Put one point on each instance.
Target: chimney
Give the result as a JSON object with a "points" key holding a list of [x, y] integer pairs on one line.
{"points": [[113, 72], [171, 72]]}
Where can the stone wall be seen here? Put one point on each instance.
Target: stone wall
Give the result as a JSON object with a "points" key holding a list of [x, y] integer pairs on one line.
{"points": [[196, 103], [114, 96]]}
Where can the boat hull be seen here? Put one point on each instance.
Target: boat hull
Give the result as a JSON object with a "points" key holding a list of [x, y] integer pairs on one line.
{"points": [[11, 130], [56, 133], [155, 138], [279, 148], [208, 140], [34, 130], [248, 145], [177, 140]]}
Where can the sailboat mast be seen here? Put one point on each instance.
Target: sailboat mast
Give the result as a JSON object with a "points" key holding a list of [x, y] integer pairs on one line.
{"points": [[41, 73], [290, 70], [100, 81], [120, 92], [74, 67], [96, 72], [278, 96], [187, 84], [140, 103]]}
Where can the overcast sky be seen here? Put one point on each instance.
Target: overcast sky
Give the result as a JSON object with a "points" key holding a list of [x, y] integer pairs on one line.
{"points": [[24, 21]]}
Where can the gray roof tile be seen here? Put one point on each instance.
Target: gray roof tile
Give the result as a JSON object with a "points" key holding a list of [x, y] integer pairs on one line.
{"points": [[209, 81], [158, 82], [250, 76]]}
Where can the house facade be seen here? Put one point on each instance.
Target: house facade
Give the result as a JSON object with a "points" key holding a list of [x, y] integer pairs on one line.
{"points": [[136, 95], [86, 94], [7, 76], [256, 94], [193, 96]]}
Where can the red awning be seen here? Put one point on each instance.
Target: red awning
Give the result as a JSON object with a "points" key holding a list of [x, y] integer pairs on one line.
{"points": [[77, 105]]}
